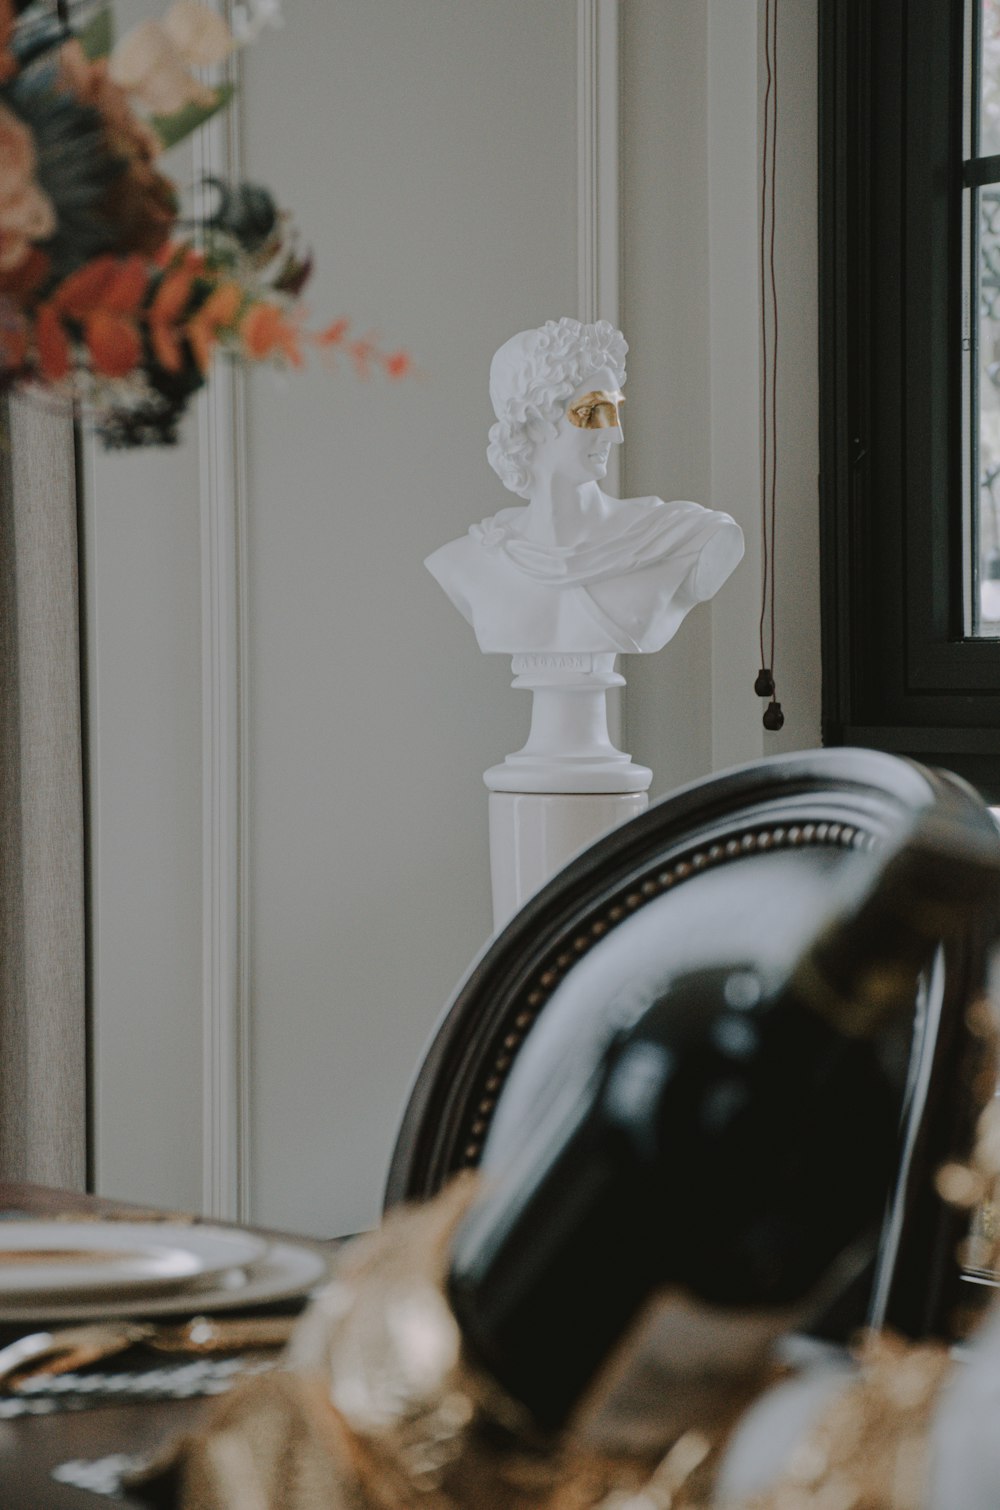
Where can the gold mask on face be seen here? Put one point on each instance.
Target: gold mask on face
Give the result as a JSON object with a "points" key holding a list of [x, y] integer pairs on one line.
{"points": [[597, 411]]}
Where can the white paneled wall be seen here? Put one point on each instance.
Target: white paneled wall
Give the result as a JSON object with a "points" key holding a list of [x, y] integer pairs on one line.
{"points": [[432, 155], [429, 150], [690, 156], [142, 578]]}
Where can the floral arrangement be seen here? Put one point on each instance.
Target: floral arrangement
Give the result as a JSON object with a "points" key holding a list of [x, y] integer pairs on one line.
{"points": [[110, 297]]}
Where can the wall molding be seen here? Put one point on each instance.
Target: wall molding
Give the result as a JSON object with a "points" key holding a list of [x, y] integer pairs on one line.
{"points": [[223, 489], [734, 357], [598, 228], [598, 220], [225, 800]]}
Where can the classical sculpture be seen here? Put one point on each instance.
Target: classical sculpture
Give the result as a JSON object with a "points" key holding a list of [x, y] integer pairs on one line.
{"points": [[565, 583], [576, 570]]}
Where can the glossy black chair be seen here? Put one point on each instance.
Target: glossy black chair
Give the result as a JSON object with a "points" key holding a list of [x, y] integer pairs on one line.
{"points": [[732, 866]]}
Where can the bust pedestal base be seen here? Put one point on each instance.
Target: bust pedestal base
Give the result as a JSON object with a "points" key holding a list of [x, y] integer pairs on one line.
{"points": [[534, 834], [569, 748], [567, 786]]}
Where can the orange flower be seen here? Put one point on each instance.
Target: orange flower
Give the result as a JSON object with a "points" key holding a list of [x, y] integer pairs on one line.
{"points": [[222, 305], [172, 296], [164, 317], [268, 332], [219, 310], [8, 63], [398, 364], [13, 341], [127, 289], [166, 343], [85, 289], [116, 284], [361, 352], [52, 343], [202, 340], [114, 343], [334, 334], [177, 254]]}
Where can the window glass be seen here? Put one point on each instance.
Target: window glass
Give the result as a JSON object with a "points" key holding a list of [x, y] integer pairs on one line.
{"points": [[983, 297], [987, 87], [987, 390], [910, 380]]}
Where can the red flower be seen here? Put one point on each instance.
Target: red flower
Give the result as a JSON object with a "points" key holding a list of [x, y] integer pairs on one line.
{"points": [[8, 63], [52, 343], [127, 289], [114, 343], [14, 335], [84, 290], [105, 296]]}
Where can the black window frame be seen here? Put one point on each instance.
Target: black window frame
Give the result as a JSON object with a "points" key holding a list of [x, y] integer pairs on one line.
{"points": [[899, 673]]}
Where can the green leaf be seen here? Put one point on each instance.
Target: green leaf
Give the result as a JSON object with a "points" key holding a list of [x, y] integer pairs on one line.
{"points": [[172, 129], [98, 36]]}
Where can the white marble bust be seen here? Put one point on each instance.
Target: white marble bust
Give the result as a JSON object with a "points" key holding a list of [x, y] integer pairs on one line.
{"points": [[574, 570]]}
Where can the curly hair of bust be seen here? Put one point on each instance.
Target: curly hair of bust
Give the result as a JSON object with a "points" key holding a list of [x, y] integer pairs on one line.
{"points": [[532, 377]]}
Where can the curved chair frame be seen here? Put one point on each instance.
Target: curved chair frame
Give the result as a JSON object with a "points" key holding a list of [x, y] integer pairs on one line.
{"points": [[845, 798]]}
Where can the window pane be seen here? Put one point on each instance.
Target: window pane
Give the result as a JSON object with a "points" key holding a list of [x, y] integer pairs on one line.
{"points": [[989, 79], [986, 387]]}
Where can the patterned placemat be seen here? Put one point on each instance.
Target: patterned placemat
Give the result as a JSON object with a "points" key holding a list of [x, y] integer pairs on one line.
{"points": [[172, 1381]]}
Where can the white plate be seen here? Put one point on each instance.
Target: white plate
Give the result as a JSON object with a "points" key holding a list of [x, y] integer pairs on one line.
{"points": [[54, 1261], [284, 1271]]}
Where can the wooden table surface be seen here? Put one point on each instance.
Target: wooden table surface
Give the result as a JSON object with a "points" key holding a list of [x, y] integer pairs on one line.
{"points": [[30, 1446]]}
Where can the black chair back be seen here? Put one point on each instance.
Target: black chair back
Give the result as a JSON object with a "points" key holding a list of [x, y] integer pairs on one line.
{"points": [[734, 866]]}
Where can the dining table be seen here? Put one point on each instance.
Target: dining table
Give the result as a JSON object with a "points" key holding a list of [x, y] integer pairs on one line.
{"points": [[46, 1457]]}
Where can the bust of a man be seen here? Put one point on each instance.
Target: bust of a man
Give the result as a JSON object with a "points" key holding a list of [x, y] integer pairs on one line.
{"points": [[574, 570]]}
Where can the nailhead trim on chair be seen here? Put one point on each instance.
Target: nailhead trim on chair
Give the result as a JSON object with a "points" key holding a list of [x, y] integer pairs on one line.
{"points": [[792, 836]]}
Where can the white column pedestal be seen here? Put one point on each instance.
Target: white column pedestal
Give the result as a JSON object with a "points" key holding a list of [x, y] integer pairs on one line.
{"points": [[534, 834], [567, 786]]}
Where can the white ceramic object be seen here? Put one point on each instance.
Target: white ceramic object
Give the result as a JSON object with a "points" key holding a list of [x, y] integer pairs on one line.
{"points": [[284, 1271], [576, 570], [47, 1260], [569, 748], [533, 835], [574, 577]]}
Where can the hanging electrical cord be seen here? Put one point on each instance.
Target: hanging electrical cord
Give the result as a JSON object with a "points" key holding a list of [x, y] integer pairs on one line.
{"points": [[764, 686]]}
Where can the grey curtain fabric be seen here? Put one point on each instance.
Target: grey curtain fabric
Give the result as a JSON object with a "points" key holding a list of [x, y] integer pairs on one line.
{"points": [[43, 1075]]}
